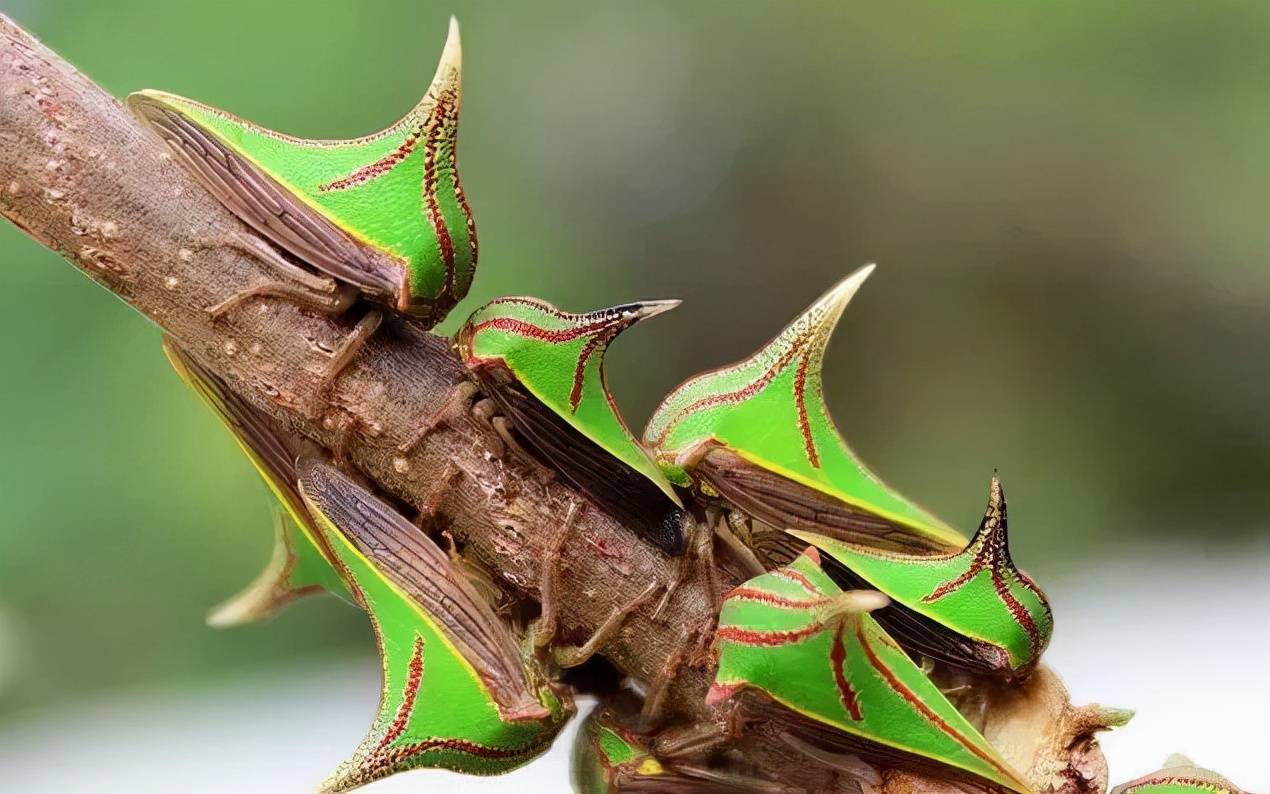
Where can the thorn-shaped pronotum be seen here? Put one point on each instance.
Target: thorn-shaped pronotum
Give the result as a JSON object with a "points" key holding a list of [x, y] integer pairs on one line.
{"points": [[457, 692], [385, 214], [794, 637], [974, 609], [758, 433], [545, 369]]}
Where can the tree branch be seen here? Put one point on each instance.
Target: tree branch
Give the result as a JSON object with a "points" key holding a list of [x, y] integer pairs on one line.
{"points": [[79, 175]]}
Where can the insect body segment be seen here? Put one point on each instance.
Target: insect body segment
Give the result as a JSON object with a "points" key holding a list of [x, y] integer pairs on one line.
{"points": [[545, 369], [759, 434], [793, 636], [974, 610], [457, 692], [385, 213]]}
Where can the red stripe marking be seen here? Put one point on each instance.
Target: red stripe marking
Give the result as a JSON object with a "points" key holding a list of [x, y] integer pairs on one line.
{"points": [[772, 599], [993, 557], [800, 400], [520, 327], [1017, 610], [953, 584], [436, 129], [837, 661], [908, 695], [467, 209], [413, 679], [798, 578], [736, 395], [459, 745], [579, 370], [767, 638], [378, 168], [608, 398]]}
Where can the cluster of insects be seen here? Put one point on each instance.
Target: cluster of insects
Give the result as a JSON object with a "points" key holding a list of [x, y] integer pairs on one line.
{"points": [[854, 593]]}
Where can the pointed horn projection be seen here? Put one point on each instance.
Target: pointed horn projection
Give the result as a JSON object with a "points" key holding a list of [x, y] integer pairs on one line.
{"points": [[295, 569], [456, 692], [973, 610], [324, 201], [646, 309], [545, 369], [793, 638], [759, 434]]}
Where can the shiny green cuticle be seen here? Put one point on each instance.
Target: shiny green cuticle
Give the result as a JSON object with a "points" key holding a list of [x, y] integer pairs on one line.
{"points": [[794, 636], [559, 358], [977, 593], [457, 692], [770, 410], [396, 192]]}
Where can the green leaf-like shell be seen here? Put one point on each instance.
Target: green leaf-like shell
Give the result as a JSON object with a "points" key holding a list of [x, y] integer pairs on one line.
{"points": [[977, 594], [385, 212], [769, 410], [545, 368], [795, 637], [457, 693]]}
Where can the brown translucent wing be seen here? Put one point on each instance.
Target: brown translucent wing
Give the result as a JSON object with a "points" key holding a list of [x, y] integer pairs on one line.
{"points": [[417, 567], [786, 504], [682, 779], [272, 210], [824, 740], [918, 634], [630, 496]]}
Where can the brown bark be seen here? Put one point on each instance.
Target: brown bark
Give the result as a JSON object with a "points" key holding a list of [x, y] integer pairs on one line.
{"points": [[79, 175]]}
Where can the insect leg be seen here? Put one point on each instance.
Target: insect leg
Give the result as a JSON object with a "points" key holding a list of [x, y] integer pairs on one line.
{"points": [[343, 355], [700, 555], [574, 656], [261, 250], [740, 547], [458, 403], [544, 631], [650, 713], [326, 303]]}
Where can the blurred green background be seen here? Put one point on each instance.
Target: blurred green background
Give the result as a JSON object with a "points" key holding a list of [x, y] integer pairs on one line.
{"points": [[1066, 201]]}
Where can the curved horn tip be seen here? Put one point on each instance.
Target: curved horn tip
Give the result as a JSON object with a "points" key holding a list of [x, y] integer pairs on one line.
{"points": [[653, 308], [833, 303], [453, 42], [450, 66], [996, 494]]}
